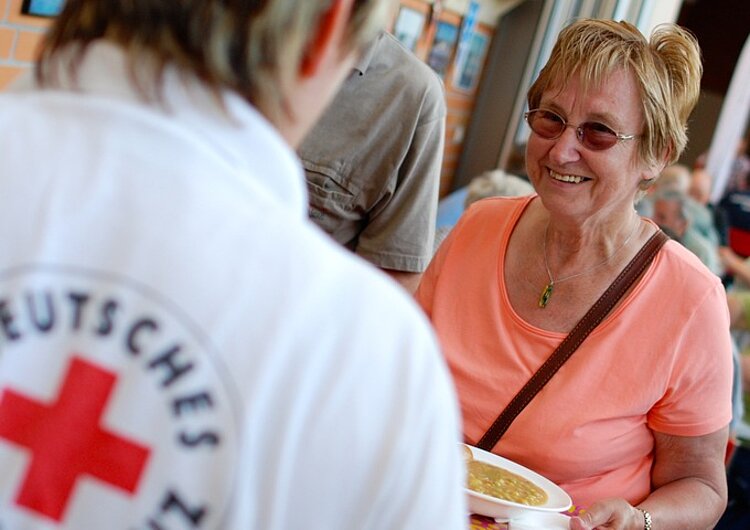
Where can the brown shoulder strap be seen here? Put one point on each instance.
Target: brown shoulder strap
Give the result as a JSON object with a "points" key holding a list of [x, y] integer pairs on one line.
{"points": [[586, 325]]}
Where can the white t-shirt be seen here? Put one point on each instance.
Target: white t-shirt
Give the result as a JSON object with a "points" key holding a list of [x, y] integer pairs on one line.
{"points": [[181, 348]]}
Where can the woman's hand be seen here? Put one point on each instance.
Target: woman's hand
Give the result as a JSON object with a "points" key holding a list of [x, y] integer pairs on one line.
{"points": [[689, 488], [614, 514]]}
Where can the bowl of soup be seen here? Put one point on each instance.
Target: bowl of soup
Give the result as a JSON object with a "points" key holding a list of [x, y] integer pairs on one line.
{"points": [[500, 488]]}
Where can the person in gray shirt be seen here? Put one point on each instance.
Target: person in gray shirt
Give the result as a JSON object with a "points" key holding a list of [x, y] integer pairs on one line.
{"points": [[373, 161]]}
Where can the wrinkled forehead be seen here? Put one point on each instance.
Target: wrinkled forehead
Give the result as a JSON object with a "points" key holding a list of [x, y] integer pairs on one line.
{"points": [[587, 77], [615, 92]]}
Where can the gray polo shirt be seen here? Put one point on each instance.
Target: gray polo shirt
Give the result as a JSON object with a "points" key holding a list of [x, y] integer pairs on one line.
{"points": [[373, 160]]}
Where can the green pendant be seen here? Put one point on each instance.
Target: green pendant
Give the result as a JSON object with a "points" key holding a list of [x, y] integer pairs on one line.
{"points": [[546, 293]]}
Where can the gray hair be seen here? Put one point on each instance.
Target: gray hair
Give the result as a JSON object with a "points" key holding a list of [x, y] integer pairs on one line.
{"points": [[675, 177], [496, 183], [671, 195]]}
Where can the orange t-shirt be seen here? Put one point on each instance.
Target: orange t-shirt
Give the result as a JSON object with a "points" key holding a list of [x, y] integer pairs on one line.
{"points": [[661, 361]]}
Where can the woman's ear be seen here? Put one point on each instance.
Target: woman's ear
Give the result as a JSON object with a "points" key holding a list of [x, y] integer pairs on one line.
{"points": [[327, 37], [665, 158], [650, 176]]}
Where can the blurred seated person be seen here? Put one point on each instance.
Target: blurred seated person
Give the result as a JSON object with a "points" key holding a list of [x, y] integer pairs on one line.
{"points": [[738, 301], [700, 186], [679, 178], [700, 191], [496, 183], [492, 183], [737, 266], [740, 170], [737, 513], [708, 220], [740, 176], [671, 212], [373, 161]]}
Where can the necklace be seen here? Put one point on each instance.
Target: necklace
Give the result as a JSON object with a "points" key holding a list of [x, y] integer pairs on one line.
{"points": [[547, 291]]}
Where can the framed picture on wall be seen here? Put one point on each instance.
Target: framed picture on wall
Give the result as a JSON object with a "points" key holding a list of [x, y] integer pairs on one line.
{"points": [[408, 27], [42, 8], [446, 36], [467, 76]]}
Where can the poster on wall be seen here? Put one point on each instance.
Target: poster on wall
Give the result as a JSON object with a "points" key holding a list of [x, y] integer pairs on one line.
{"points": [[408, 27], [42, 8], [446, 36], [465, 40], [467, 76]]}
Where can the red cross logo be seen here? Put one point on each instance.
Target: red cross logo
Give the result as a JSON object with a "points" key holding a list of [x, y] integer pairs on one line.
{"points": [[66, 440]]}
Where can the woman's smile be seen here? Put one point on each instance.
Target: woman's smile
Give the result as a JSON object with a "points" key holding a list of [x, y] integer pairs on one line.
{"points": [[575, 179]]}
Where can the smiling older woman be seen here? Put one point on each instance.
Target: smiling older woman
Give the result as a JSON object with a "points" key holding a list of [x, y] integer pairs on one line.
{"points": [[634, 424]]}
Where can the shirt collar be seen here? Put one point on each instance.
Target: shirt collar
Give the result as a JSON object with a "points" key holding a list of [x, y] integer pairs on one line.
{"points": [[247, 143], [367, 54]]}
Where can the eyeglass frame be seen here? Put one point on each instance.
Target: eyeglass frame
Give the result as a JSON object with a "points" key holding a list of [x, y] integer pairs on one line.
{"points": [[579, 129]]}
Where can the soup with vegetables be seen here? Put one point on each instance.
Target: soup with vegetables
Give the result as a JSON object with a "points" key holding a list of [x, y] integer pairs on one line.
{"points": [[502, 484]]}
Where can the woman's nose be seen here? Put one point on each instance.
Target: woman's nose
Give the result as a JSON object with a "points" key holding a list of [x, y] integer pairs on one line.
{"points": [[567, 147]]}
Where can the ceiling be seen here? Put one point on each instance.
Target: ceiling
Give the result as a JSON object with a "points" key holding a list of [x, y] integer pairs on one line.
{"points": [[722, 27]]}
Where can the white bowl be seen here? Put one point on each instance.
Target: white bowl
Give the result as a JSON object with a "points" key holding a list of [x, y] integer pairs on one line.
{"points": [[540, 521], [557, 499]]}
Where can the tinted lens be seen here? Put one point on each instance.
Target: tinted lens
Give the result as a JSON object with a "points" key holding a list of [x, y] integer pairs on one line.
{"points": [[545, 123], [597, 136], [549, 125]]}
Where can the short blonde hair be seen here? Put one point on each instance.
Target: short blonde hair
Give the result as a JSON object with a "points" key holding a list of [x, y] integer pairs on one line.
{"points": [[667, 69], [253, 48]]}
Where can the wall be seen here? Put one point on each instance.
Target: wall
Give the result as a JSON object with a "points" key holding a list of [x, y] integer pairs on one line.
{"points": [[496, 110], [460, 100], [662, 11], [19, 37]]}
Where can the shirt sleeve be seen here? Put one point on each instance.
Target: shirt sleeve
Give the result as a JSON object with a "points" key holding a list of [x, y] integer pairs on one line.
{"points": [[401, 228], [698, 398]]}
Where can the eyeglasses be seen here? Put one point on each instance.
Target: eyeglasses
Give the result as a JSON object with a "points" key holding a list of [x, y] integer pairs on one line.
{"points": [[593, 135]]}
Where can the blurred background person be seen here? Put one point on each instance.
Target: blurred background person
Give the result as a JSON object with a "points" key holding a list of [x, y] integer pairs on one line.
{"points": [[737, 266], [496, 183], [737, 513], [740, 171], [679, 178], [373, 160], [493, 183], [672, 213]]}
